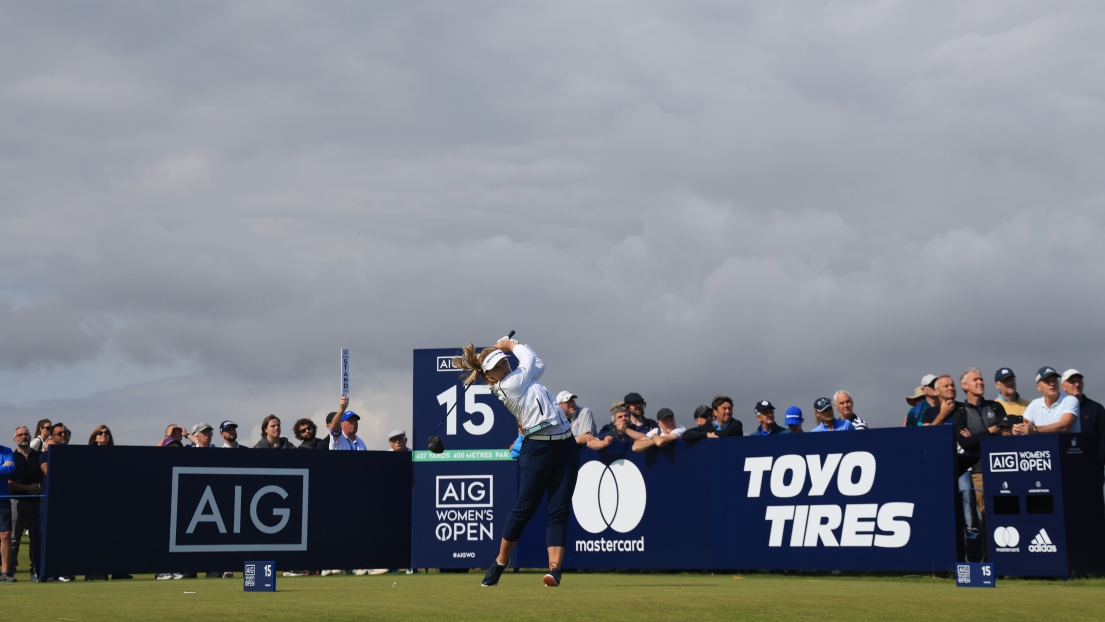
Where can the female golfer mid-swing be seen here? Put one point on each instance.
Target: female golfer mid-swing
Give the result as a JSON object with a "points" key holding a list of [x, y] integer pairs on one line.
{"points": [[549, 458]]}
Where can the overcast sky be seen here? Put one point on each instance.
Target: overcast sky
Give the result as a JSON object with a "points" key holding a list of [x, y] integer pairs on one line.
{"points": [[201, 203]]}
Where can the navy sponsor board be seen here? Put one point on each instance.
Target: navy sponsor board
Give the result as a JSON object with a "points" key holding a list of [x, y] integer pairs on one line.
{"points": [[461, 497], [870, 500], [1044, 510], [874, 500], [196, 510]]}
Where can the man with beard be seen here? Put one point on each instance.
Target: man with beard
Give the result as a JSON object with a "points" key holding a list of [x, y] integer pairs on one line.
{"points": [[25, 480]]}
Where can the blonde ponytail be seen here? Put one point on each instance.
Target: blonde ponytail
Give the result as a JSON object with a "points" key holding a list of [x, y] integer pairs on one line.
{"points": [[472, 362]]}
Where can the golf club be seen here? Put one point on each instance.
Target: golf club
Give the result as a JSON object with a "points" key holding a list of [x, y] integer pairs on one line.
{"points": [[434, 444]]}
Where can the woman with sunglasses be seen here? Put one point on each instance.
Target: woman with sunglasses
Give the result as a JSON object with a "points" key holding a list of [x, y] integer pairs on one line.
{"points": [[101, 436], [549, 457]]}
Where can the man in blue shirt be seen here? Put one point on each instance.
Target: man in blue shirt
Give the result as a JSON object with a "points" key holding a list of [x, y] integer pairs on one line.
{"points": [[823, 408], [723, 425], [7, 467], [343, 429], [765, 415]]}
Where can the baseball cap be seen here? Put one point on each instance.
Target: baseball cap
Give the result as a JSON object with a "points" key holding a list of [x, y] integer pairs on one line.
{"points": [[763, 406], [169, 441], [918, 393], [928, 380], [822, 404], [1070, 372], [1045, 372], [349, 414], [1010, 420], [564, 396], [490, 362], [633, 397], [201, 426], [396, 432], [702, 411], [794, 416], [664, 412], [1003, 373], [226, 425]]}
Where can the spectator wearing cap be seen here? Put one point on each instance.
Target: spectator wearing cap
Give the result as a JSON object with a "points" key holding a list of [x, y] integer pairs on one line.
{"points": [[175, 432], [823, 407], [703, 415], [923, 400], [793, 420], [1091, 414], [918, 396], [723, 425], [305, 432], [583, 422], [397, 440], [974, 418], [845, 407], [229, 431], [270, 435], [765, 415], [1006, 382], [201, 435], [343, 429], [663, 434], [945, 395], [615, 432], [639, 424], [1053, 411]]}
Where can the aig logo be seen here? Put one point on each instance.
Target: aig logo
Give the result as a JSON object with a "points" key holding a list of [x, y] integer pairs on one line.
{"points": [[465, 491], [1003, 461], [227, 509]]}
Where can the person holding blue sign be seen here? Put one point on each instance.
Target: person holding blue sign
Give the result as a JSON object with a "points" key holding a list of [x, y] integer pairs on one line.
{"points": [[549, 457]]}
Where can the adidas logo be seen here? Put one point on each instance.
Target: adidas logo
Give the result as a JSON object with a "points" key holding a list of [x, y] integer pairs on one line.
{"points": [[1042, 544]]}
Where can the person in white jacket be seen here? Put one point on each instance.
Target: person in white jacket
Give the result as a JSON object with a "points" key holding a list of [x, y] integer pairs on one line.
{"points": [[549, 457]]}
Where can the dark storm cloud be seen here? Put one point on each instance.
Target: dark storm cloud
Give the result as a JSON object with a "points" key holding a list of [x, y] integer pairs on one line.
{"points": [[768, 201]]}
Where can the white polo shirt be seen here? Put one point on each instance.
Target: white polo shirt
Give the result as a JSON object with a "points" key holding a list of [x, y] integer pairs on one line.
{"points": [[1041, 415], [677, 431]]}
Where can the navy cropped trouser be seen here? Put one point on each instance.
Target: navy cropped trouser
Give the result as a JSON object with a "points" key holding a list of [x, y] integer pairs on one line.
{"points": [[545, 466]]}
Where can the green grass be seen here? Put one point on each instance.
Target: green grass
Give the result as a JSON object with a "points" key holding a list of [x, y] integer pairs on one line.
{"points": [[521, 596], [451, 597]]}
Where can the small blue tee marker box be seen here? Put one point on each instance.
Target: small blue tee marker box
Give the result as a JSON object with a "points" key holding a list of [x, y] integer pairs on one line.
{"points": [[259, 577], [975, 575]]}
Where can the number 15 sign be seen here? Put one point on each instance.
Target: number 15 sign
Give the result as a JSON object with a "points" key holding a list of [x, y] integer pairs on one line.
{"points": [[477, 419]]}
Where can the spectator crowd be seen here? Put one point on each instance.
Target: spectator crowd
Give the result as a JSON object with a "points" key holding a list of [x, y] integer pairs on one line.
{"points": [[1062, 406]]}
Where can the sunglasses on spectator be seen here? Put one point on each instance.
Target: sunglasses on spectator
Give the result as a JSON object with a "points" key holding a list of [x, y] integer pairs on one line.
{"points": [[65, 433], [306, 429], [103, 433]]}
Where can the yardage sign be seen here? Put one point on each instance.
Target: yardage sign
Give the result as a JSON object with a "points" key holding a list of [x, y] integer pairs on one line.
{"points": [[461, 496]]}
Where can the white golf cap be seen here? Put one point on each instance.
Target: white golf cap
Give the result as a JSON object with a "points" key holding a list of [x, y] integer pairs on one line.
{"points": [[493, 359], [1070, 372], [564, 396], [396, 432], [927, 380]]}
